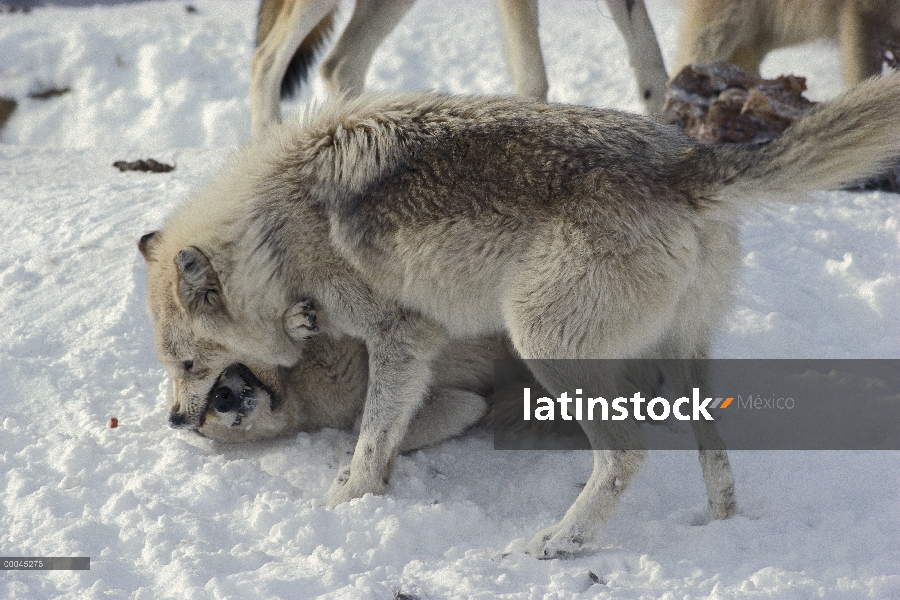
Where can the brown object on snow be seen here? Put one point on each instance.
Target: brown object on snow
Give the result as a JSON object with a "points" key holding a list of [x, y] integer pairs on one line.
{"points": [[50, 92], [722, 103], [143, 165], [7, 106], [113, 423]]}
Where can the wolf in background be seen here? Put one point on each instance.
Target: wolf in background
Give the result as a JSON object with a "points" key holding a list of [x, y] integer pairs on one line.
{"points": [[744, 31], [290, 33]]}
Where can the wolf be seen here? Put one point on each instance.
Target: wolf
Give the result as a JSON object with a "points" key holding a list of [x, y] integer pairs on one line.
{"points": [[744, 31], [290, 33], [408, 220], [327, 388]]}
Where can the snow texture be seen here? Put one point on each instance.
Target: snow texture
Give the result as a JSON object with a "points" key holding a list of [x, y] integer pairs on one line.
{"points": [[166, 514]]}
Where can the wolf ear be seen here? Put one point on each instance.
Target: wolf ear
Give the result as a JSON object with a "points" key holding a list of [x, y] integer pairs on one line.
{"points": [[148, 243], [198, 284]]}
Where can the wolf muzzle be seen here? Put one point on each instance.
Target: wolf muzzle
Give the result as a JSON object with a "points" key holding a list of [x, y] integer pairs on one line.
{"points": [[228, 395], [234, 394]]}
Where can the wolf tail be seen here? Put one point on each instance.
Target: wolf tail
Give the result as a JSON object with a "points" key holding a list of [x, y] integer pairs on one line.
{"points": [[307, 53], [851, 138]]}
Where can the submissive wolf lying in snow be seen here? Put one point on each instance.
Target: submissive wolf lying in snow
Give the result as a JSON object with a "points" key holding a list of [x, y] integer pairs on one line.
{"points": [[290, 33], [327, 388], [410, 220]]}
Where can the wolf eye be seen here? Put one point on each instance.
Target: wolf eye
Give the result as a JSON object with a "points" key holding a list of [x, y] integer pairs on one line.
{"points": [[188, 365]]}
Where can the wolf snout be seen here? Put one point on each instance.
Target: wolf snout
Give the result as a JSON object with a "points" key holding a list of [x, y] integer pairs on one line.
{"points": [[227, 395], [224, 400], [177, 420]]}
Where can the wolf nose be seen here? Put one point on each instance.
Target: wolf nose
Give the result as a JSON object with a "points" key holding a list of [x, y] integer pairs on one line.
{"points": [[224, 400], [177, 420]]}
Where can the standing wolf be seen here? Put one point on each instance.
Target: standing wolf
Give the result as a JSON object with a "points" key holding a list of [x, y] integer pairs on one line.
{"points": [[744, 31], [409, 220]]}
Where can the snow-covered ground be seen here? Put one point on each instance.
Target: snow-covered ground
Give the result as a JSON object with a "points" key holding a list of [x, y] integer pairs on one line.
{"points": [[163, 513]]}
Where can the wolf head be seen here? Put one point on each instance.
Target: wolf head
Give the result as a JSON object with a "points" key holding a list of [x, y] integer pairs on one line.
{"points": [[326, 388], [242, 407], [199, 334]]}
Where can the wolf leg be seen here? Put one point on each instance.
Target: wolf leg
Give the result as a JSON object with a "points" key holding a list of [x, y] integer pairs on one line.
{"points": [[613, 472], [644, 54], [859, 40], [570, 301], [446, 413], [344, 70], [400, 349], [443, 415], [519, 23], [683, 375], [714, 30], [270, 62], [704, 305], [619, 454], [717, 475]]}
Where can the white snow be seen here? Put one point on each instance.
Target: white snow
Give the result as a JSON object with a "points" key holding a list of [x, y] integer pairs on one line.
{"points": [[166, 514]]}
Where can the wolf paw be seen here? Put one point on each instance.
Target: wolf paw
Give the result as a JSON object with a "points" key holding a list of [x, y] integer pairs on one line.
{"points": [[557, 541], [722, 510], [345, 488], [339, 481], [300, 320]]}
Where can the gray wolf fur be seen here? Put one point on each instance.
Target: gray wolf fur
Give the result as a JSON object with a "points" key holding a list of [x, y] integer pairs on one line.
{"points": [[290, 33], [409, 220], [744, 31], [327, 388]]}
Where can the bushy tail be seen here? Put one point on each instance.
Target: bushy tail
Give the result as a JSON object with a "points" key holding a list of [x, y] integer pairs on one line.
{"points": [[853, 137], [301, 64]]}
